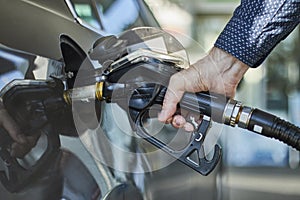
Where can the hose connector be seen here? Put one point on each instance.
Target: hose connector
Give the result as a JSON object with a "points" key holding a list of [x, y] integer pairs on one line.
{"points": [[232, 112]]}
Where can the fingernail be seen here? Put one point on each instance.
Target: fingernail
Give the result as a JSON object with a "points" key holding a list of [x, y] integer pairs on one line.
{"points": [[177, 122]]}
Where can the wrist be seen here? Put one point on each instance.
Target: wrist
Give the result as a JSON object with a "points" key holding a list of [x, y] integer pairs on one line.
{"points": [[220, 71]]}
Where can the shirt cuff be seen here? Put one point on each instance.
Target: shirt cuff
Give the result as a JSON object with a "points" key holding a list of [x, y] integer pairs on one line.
{"points": [[251, 37], [235, 40]]}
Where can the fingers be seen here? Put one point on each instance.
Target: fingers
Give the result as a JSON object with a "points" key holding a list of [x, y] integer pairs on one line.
{"points": [[189, 80], [11, 127], [180, 122], [22, 144], [172, 97], [20, 150], [169, 107]]}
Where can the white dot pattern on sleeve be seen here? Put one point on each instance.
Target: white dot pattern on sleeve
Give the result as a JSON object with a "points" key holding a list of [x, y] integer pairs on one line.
{"points": [[257, 27]]}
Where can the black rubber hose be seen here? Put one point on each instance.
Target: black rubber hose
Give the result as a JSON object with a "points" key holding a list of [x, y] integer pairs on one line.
{"points": [[271, 126]]}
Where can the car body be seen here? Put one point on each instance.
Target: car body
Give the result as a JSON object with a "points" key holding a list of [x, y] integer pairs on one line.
{"points": [[35, 36], [35, 26]]}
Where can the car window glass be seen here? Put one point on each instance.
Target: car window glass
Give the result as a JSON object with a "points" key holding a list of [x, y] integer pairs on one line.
{"points": [[86, 11], [12, 65], [118, 15]]}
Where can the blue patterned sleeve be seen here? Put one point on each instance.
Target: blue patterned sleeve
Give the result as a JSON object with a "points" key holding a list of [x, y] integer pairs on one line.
{"points": [[256, 27]]}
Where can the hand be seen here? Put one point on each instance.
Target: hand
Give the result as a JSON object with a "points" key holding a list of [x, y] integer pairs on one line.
{"points": [[22, 144], [217, 72]]}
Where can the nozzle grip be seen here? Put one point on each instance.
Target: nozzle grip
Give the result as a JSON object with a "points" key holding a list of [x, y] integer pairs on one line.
{"points": [[210, 104]]}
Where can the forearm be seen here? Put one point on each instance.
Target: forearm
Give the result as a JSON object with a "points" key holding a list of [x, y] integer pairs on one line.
{"points": [[257, 27]]}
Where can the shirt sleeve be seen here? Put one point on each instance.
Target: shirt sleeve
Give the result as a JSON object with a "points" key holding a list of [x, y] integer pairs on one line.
{"points": [[256, 27]]}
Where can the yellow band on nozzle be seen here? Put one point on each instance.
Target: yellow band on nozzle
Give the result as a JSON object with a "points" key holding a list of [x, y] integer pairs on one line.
{"points": [[67, 97], [99, 90]]}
